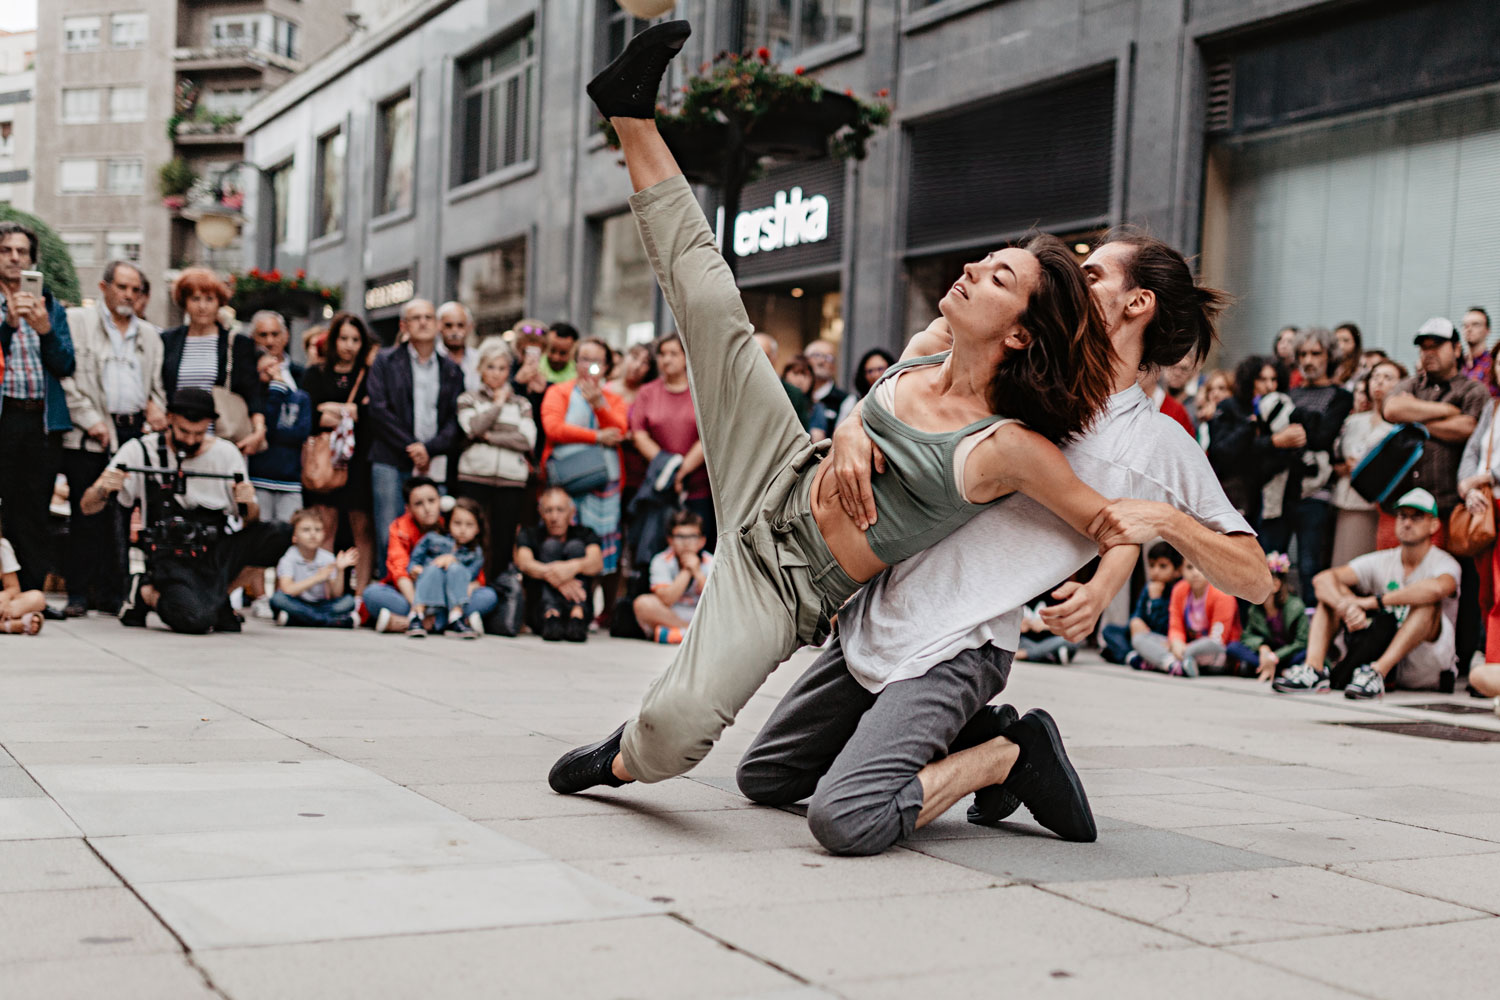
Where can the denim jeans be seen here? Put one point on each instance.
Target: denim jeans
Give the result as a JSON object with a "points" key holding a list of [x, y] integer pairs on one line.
{"points": [[440, 589], [1309, 522], [386, 483], [380, 597], [332, 613]]}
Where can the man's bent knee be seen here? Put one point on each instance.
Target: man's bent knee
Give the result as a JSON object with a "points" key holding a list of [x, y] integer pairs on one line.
{"points": [[768, 784], [854, 826]]}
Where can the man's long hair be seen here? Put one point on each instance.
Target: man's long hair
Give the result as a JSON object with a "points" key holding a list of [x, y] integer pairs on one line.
{"points": [[1186, 317]]}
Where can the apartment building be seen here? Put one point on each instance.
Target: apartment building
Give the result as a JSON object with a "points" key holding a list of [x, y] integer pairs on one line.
{"points": [[17, 117], [124, 89]]}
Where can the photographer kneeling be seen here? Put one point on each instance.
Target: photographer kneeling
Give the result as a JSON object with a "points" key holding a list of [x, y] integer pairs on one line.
{"points": [[189, 484]]}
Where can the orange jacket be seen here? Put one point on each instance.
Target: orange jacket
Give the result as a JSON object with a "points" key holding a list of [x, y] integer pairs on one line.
{"points": [[615, 413], [404, 536], [1222, 610]]}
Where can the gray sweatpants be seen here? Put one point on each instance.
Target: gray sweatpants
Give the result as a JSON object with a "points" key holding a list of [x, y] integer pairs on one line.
{"points": [[857, 754], [1156, 649], [775, 585]]}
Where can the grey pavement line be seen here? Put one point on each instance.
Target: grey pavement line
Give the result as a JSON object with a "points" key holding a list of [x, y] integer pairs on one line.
{"points": [[1335, 869], [731, 946]]}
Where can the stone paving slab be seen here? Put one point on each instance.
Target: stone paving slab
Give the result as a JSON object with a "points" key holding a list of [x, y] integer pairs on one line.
{"points": [[1242, 839]]}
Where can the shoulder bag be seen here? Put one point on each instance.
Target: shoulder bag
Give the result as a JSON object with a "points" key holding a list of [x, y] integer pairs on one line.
{"points": [[320, 472], [1469, 535], [233, 422]]}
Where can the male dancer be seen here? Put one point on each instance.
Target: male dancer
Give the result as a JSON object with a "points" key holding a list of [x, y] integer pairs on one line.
{"points": [[890, 726]]}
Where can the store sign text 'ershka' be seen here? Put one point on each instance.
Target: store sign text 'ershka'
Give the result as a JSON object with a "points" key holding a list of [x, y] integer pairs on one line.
{"points": [[787, 222]]}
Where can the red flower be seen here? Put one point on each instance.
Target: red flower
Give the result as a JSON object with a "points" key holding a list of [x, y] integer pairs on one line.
{"points": [[848, 91], [255, 272], [764, 54], [301, 274], [883, 92], [274, 276], [800, 70], [325, 295]]}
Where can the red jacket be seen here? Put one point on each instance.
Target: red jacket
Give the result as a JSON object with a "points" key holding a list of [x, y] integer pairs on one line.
{"points": [[614, 413], [404, 536], [1222, 610]]}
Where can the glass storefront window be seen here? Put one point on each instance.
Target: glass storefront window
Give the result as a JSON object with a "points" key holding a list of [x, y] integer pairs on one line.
{"points": [[790, 27], [396, 141], [624, 286], [281, 200], [795, 315], [330, 217], [492, 283]]}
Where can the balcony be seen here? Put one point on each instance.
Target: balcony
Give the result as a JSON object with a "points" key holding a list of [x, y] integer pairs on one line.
{"points": [[207, 129], [224, 57]]}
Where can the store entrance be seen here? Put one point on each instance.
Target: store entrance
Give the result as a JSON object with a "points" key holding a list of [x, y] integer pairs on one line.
{"points": [[798, 313]]}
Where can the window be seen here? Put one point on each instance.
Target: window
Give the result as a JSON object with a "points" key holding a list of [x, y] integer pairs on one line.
{"points": [[284, 38], [81, 247], [493, 284], [127, 104], [396, 155], [76, 176], [122, 246], [788, 27], [240, 31], [80, 105], [228, 102], [495, 108], [330, 209], [127, 176], [616, 26], [7, 139], [127, 31], [81, 34], [281, 200]]}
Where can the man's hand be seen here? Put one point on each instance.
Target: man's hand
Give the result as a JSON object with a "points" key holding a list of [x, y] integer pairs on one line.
{"points": [[1266, 671], [610, 436], [573, 591], [99, 432], [854, 456], [1078, 609], [244, 492], [444, 561], [691, 562], [1130, 522], [1354, 615], [33, 309], [156, 417], [111, 480], [252, 444], [1290, 436], [417, 452]]}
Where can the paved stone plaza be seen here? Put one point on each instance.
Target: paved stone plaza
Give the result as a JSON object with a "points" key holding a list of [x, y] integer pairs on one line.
{"points": [[297, 814]]}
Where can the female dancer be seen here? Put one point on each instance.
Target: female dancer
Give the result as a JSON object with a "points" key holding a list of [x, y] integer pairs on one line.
{"points": [[1025, 339]]}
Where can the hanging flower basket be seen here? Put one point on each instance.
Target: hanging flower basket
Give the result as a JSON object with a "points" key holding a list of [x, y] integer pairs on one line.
{"points": [[291, 295], [802, 131]]}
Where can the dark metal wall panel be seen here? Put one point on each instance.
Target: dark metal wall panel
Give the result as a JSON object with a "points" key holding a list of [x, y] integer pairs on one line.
{"points": [[825, 178]]}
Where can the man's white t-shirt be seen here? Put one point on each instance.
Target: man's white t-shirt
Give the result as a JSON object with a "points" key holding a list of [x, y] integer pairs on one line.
{"points": [[1381, 571], [219, 456], [969, 589], [8, 563]]}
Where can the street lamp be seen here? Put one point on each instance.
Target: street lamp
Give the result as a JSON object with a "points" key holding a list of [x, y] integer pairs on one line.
{"points": [[217, 224]]}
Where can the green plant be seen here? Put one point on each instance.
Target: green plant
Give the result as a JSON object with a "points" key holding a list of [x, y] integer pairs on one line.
{"points": [[747, 89], [59, 276], [175, 177]]}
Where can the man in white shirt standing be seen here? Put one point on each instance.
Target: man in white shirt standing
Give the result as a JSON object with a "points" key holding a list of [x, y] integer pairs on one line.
{"points": [[891, 726], [115, 395]]}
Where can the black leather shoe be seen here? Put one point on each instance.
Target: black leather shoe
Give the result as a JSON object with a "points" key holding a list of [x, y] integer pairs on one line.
{"points": [[552, 629], [993, 803], [1045, 782], [587, 766], [228, 620], [577, 630], [627, 87], [51, 614]]}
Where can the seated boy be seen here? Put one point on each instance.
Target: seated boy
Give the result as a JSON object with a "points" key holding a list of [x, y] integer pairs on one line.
{"points": [[310, 579], [1203, 621], [20, 610], [559, 560], [1153, 606], [678, 575]]}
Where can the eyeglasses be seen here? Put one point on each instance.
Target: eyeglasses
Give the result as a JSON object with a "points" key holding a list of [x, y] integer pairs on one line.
{"points": [[818, 355]]}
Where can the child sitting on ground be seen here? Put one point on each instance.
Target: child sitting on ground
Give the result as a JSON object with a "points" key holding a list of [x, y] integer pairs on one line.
{"points": [[1275, 634], [20, 610], [1039, 644], [1152, 608], [1203, 621], [448, 569], [310, 580], [678, 575]]}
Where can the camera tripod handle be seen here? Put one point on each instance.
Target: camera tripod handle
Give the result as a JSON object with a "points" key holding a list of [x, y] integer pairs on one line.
{"points": [[239, 477]]}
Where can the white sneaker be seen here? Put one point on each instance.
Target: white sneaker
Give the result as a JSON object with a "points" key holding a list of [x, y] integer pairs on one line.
{"points": [[476, 623], [383, 620], [282, 618], [1366, 683], [261, 608], [1299, 679]]}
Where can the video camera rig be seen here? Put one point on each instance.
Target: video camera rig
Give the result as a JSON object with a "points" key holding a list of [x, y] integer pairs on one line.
{"points": [[169, 529]]}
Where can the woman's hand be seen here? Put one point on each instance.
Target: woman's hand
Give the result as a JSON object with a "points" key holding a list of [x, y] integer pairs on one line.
{"points": [[610, 436], [592, 394], [854, 455], [253, 443], [1477, 502], [444, 561], [1474, 483], [1290, 436], [1266, 671], [1178, 648], [1078, 609]]}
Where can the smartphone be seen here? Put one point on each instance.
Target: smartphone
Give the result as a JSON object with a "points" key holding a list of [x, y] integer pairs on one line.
{"points": [[31, 283], [533, 352], [595, 370]]}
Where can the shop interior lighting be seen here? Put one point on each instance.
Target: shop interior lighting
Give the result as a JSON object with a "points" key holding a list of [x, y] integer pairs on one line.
{"points": [[796, 293]]}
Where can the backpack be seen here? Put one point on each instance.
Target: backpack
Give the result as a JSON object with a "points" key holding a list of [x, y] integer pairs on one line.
{"points": [[1382, 471]]}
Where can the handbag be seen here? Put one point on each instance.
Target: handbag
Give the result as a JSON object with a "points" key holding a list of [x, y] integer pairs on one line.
{"points": [[1469, 535], [1387, 464], [233, 422], [320, 472], [581, 470]]}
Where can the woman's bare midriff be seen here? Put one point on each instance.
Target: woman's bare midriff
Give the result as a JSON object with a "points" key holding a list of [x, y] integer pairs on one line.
{"points": [[845, 541]]}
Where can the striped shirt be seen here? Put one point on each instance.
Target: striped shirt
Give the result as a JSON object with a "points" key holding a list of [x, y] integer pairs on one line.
{"points": [[200, 364]]}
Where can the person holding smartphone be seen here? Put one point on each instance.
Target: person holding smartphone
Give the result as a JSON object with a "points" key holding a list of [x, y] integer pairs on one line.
{"points": [[38, 355]]}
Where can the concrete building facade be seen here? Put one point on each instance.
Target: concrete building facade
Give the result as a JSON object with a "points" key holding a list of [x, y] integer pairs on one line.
{"points": [[454, 153], [17, 117], [124, 89]]}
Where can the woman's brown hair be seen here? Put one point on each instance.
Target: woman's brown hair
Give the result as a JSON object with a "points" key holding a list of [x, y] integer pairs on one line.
{"points": [[199, 279], [1064, 377]]}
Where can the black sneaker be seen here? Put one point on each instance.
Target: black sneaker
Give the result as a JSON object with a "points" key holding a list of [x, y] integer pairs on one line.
{"points": [[553, 629], [587, 766], [992, 803], [228, 620], [1045, 782], [132, 608], [577, 630], [76, 609], [627, 87]]}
